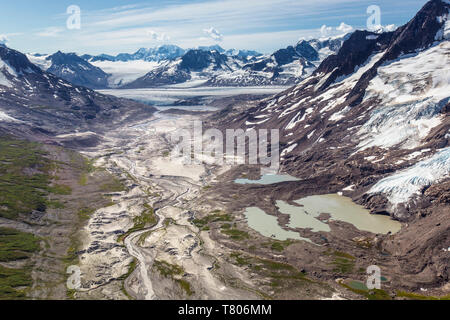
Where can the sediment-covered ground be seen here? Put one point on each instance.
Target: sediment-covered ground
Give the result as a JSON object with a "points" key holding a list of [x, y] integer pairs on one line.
{"points": [[177, 231], [145, 245]]}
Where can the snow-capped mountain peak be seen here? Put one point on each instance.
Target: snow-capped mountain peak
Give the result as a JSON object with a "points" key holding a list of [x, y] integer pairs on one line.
{"points": [[44, 104], [14, 63], [72, 68]]}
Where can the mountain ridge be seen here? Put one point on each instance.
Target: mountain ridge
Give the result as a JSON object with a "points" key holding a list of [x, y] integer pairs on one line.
{"points": [[372, 123], [76, 70], [348, 100], [217, 68], [37, 104], [170, 64]]}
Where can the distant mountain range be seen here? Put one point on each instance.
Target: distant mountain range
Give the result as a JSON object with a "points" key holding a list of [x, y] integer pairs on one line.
{"points": [[164, 52], [160, 53], [284, 67], [76, 70], [169, 64], [36, 103]]}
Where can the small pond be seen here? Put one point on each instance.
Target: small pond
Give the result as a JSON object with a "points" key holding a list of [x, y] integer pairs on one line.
{"points": [[306, 214]]}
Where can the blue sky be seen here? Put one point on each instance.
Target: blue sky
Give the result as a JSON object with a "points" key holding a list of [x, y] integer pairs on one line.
{"points": [[114, 26]]}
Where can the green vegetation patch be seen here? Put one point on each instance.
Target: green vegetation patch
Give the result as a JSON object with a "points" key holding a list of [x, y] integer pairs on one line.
{"points": [[374, 294], [175, 273], [416, 296], [114, 186], [143, 237], [71, 257], [55, 204], [281, 274], [343, 263], [186, 286], [85, 213], [14, 283], [60, 189], [236, 234], [24, 178], [168, 270], [146, 219], [16, 245], [216, 216], [278, 246], [88, 168], [131, 267]]}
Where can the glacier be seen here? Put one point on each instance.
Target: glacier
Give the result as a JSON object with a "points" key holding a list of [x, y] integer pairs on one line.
{"points": [[402, 186], [411, 92]]}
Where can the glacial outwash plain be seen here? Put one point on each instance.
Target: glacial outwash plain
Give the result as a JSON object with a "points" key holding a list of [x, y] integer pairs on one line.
{"points": [[98, 203]]}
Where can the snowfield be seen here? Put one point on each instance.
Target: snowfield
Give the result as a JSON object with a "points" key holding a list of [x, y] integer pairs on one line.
{"points": [[4, 81], [5, 67], [411, 92], [125, 72], [6, 118], [120, 72], [40, 61]]}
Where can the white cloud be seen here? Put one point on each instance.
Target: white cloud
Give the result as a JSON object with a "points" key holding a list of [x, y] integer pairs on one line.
{"points": [[214, 34], [4, 39], [388, 28], [161, 37], [344, 28], [50, 32], [124, 29], [326, 31]]}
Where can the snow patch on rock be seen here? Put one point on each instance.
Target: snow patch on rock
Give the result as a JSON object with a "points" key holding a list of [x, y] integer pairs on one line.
{"points": [[6, 118], [288, 150], [4, 81], [444, 32]]}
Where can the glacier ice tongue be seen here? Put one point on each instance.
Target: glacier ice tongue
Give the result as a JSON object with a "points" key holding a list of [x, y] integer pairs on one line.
{"points": [[400, 187]]}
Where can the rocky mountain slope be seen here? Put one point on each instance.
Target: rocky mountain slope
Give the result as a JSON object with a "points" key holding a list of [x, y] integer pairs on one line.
{"points": [[169, 64], [37, 104], [373, 123], [72, 68], [126, 68], [46, 191], [194, 64], [382, 102], [283, 67], [217, 67]]}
